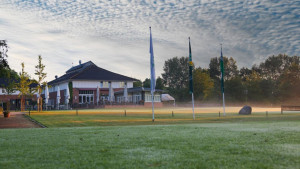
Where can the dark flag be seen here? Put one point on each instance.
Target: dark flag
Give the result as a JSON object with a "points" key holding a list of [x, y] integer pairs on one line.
{"points": [[190, 68]]}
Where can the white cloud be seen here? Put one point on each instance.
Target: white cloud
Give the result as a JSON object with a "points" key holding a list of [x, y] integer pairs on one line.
{"points": [[115, 34]]}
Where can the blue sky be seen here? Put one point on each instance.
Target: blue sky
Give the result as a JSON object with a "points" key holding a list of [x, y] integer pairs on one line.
{"points": [[115, 34]]}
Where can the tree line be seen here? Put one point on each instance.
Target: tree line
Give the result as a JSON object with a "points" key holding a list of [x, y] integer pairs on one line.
{"points": [[275, 81]]}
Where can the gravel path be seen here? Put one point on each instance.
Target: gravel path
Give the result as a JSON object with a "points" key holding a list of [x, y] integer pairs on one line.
{"points": [[16, 120]]}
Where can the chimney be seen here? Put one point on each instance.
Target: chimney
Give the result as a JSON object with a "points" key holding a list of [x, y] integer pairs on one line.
{"points": [[79, 62], [55, 76]]}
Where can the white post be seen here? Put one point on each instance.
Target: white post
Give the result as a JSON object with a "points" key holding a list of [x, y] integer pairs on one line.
{"points": [[193, 106], [224, 105], [152, 107]]}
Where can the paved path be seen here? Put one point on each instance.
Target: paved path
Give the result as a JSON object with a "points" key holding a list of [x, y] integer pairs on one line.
{"points": [[16, 120]]}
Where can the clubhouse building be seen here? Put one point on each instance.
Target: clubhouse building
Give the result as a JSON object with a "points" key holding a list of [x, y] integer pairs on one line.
{"points": [[92, 86]]}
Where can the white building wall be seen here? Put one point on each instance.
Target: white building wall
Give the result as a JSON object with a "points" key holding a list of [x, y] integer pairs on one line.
{"points": [[94, 84], [53, 88], [63, 86], [115, 84], [86, 84], [3, 92], [129, 84]]}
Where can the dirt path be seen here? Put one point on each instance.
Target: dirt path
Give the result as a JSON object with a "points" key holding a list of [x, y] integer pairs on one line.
{"points": [[16, 120]]}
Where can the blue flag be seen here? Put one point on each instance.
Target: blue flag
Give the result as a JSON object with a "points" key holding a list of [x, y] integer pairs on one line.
{"points": [[152, 68]]}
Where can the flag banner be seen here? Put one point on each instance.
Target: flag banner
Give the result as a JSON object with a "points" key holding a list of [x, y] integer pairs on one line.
{"points": [[152, 68], [222, 71], [190, 68]]}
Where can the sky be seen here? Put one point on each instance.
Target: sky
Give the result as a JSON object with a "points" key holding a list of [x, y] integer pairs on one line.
{"points": [[115, 34]]}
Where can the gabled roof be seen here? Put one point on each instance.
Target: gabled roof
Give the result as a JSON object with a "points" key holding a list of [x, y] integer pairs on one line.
{"points": [[4, 82], [89, 71]]}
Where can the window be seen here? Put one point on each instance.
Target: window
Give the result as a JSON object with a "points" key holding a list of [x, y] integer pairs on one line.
{"points": [[149, 99], [105, 85], [122, 84], [86, 96], [86, 92]]}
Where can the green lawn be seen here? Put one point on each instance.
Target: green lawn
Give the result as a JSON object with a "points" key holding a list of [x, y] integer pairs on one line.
{"points": [[116, 117], [267, 143]]}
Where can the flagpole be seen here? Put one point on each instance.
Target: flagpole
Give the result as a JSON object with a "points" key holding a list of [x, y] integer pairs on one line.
{"points": [[152, 106], [191, 76], [224, 104], [222, 80], [193, 106]]}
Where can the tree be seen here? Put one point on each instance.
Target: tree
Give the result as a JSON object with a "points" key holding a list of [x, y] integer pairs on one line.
{"points": [[3, 55], [147, 83], [39, 71], [176, 76], [230, 68], [137, 83], [10, 83], [159, 83], [203, 84], [244, 73], [289, 84], [176, 72], [274, 66], [253, 86], [230, 72], [24, 86], [234, 89]]}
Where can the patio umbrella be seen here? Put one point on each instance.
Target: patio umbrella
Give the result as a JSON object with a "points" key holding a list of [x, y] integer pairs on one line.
{"points": [[125, 93], [98, 95], [111, 93], [58, 97], [46, 96], [67, 97]]}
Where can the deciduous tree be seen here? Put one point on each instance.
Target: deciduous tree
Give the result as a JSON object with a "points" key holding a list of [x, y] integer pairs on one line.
{"points": [[24, 86], [39, 71]]}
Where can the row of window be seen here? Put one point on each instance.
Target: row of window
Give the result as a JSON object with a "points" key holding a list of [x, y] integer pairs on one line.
{"points": [[138, 98], [86, 92], [149, 99], [104, 84]]}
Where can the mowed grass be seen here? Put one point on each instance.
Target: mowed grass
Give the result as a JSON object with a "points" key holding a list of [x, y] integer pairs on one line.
{"points": [[231, 144], [142, 116]]}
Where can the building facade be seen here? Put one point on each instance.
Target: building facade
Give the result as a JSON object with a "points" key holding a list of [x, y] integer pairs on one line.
{"points": [[14, 97], [83, 81]]}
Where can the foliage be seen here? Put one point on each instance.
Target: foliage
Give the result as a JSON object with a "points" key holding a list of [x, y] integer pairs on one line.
{"points": [[24, 86], [3, 55], [11, 83], [275, 81], [71, 92], [146, 83], [39, 71], [230, 68], [138, 84], [159, 83], [175, 77], [203, 84]]}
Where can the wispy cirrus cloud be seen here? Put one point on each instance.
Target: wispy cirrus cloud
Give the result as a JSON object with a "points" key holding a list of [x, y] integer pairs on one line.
{"points": [[115, 34]]}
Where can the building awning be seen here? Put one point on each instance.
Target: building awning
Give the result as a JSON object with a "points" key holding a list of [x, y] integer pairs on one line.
{"points": [[166, 97]]}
